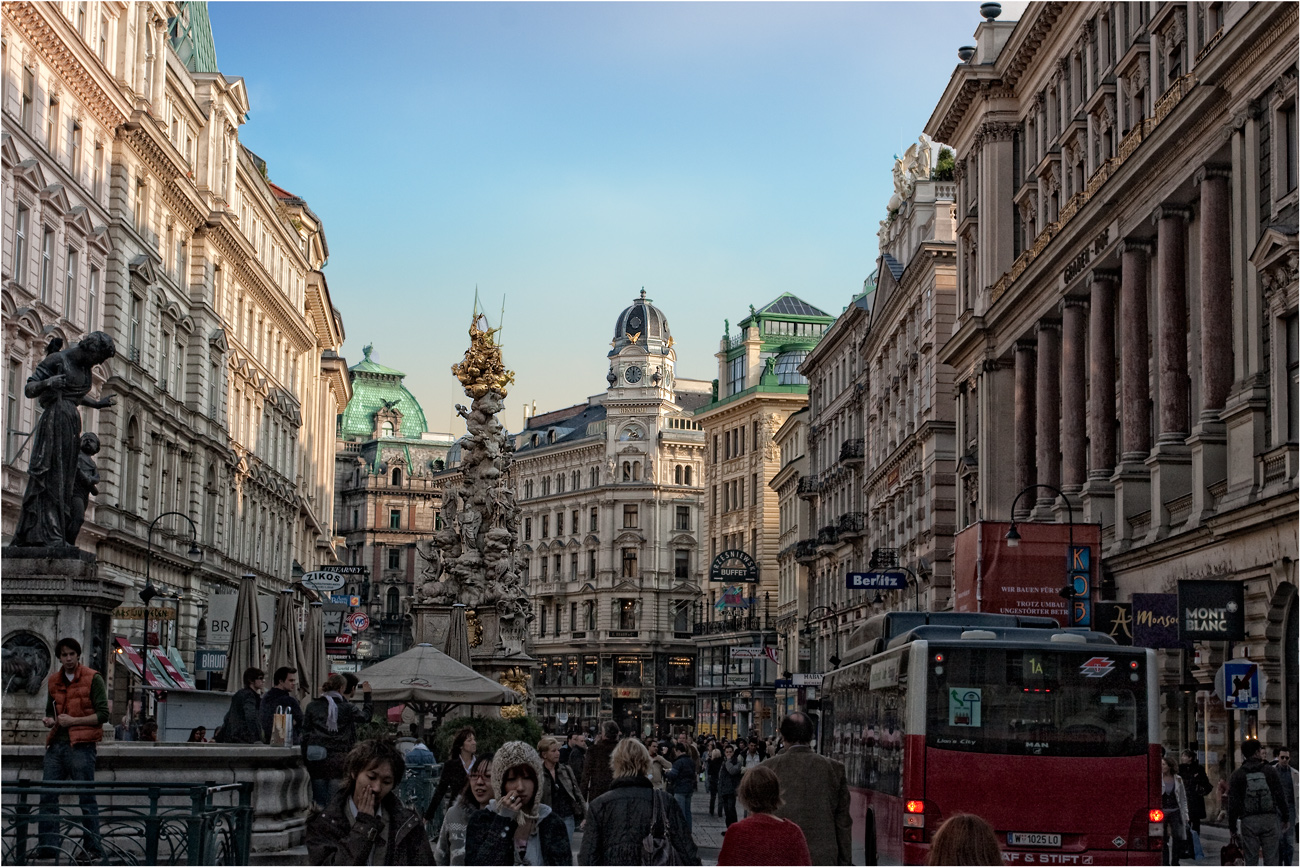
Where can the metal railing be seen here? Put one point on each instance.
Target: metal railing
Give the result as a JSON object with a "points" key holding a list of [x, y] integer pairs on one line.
{"points": [[807, 486], [851, 449], [805, 549], [744, 623], [138, 823], [828, 535], [852, 523]]}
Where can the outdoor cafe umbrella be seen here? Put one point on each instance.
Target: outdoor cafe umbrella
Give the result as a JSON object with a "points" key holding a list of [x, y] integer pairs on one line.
{"points": [[286, 641], [457, 643], [315, 667], [430, 681], [245, 635]]}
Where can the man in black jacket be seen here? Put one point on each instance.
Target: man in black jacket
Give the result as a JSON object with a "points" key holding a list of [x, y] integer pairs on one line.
{"points": [[242, 724], [1256, 805], [575, 753], [282, 696]]}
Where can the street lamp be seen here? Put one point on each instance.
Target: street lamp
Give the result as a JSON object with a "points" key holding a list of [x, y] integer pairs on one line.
{"points": [[1013, 541], [834, 658], [886, 560], [149, 593]]}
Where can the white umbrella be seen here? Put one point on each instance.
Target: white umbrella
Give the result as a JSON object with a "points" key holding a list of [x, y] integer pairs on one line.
{"points": [[426, 675], [245, 635], [315, 666], [286, 642]]}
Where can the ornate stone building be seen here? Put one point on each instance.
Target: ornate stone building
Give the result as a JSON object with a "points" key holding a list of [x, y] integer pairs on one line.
{"points": [[759, 386], [792, 574], [610, 493], [387, 501], [909, 453], [1126, 308], [131, 207]]}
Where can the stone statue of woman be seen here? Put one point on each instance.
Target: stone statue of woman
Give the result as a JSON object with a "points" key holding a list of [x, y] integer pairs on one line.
{"points": [[60, 384]]}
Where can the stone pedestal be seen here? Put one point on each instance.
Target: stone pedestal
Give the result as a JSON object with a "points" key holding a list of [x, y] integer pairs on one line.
{"points": [[1170, 465], [49, 594], [1209, 446], [496, 651], [1132, 486]]}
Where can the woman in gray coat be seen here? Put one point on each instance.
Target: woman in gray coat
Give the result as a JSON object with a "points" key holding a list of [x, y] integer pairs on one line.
{"points": [[728, 780]]}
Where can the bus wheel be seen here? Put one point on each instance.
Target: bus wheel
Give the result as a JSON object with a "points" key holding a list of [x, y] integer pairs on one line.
{"points": [[869, 838]]}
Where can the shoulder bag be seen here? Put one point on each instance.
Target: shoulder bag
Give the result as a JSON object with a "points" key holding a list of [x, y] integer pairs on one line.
{"points": [[657, 849]]}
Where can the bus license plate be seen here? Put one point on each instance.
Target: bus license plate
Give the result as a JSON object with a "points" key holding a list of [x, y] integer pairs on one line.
{"points": [[1021, 839]]}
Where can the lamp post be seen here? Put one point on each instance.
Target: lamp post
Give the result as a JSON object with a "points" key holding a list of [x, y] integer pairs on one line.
{"points": [[886, 560], [149, 593], [1013, 541], [834, 658]]}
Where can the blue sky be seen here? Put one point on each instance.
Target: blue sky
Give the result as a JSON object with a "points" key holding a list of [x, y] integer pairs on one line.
{"points": [[565, 155]]}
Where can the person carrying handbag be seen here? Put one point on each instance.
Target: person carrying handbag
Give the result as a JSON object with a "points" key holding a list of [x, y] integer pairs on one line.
{"points": [[1173, 799], [634, 823]]}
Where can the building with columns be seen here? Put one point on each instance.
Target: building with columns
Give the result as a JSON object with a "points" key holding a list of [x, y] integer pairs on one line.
{"points": [[131, 207], [792, 575], [759, 386], [1126, 281], [611, 515], [387, 502]]}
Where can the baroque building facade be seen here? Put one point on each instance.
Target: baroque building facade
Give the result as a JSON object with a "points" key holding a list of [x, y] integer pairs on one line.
{"points": [[610, 497], [793, 519], [131, 207], [387, 504], [1126, 284], [759, 387]]}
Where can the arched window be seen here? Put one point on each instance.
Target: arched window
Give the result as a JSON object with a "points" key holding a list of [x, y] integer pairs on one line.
{"points": [[210, 506], [394, 606], [386, 430], [636, 471], [627, 471], [688, 475], [132, 464], [677, 474], [397, 478]]}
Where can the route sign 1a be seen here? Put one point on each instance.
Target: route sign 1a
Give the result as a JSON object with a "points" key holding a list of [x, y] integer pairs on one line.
{"points": [[876, 580], [359, 621]]}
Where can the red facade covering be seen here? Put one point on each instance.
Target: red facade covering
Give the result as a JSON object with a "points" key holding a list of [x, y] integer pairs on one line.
{"points": [[992, 577]]}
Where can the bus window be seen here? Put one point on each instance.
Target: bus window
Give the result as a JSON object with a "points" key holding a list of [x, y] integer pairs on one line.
{"points": [[1031, 702], [865, 716]]}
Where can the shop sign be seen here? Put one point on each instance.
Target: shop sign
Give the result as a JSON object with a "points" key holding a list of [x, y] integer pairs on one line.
{"points": [[876, 581], [739, 679], [812, 678], [358, 571], [1114, 619], [322, 581], [734, 565], [626, 692], [221, 616], [210, 659], [783, 683], [126, 612], [753, 653], [1155, 620], [1211, 611]]}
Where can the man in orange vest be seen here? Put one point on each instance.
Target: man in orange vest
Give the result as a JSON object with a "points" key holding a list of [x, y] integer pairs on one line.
{"points": [[75, 713]]}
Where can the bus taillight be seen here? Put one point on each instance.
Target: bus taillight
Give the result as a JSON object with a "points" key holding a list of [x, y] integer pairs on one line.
{"points": [[1157, 816], [1147, 830], [914, 821], [919, 807]]}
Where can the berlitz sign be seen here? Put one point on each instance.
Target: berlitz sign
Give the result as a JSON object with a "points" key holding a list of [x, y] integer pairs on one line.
{"points": [[1211, 611]]}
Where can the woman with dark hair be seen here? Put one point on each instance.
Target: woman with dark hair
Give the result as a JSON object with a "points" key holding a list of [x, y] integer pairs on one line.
{"points": [[364, 822], [516, 828], [198, 735], [455, 773], [965, 840], [329, 731], [477, 794], [763, 838]]}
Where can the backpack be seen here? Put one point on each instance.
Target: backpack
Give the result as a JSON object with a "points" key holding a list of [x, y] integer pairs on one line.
{"points": [[1259, 798]]}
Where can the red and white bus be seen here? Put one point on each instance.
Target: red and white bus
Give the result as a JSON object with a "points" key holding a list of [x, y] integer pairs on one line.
{"points": [[1049, 734]]}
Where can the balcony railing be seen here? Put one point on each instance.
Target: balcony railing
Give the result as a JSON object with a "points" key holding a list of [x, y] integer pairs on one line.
{"points": [[807, 486], [853, 523], [750, 622], [805, 550], [851, 451], [828, 535]]}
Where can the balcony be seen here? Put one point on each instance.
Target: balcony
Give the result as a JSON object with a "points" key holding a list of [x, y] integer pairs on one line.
{"points": [[851, 451], [805, 550], [828, 535], [748, 622], [807, 487], [853, 524]]}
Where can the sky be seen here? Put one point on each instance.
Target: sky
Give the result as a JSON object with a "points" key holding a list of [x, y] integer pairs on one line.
{"points": [[560, 157]]}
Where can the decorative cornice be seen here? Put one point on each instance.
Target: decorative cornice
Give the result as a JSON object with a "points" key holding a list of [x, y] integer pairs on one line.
{"points": [[1211, 171], [1134, 245], [1100, 275], [1171, 212]]}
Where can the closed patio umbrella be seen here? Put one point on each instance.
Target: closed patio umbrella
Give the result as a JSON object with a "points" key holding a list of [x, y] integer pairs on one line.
{"points": [[457, 643], [315, 664], [245, 635], [286, 640]]}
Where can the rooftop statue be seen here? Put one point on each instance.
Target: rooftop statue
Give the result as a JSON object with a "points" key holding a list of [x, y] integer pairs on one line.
{"points": [[50, 517]]}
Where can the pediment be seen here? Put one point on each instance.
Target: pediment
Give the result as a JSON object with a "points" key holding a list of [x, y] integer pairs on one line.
{"points": [[56, 199], [142, 266], [78, 218], [525, 547], [627, 584], [8, 150], [217, 340], [588, 587], [573, 545], [98, 239], [1275, 243], [186, 324], [543, 547], [628, 536], [689, 587], [683, 540], [592, 539], [30, 173]]}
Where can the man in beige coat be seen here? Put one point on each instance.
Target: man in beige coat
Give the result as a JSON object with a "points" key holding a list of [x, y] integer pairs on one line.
{"points": [[816, 793]]}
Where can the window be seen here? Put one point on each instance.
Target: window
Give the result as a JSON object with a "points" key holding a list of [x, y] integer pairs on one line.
{"points": [[52, 127], [70, 286], [178, 374], [1293, 377], [629, 563], [544, 561], [559, 566], [103, 38], [386, 429], [715, 448], [627, 669], [627, 614], [135, 328], [546, 526], [682, 564], [753, 488], [394, 519], [29, 98], [573, 567], [74, 149], [559, 523], [13, 386], [736, 375], [165, 343], [681, 669], [394, 606], [629, 515], [595, 519], [591, 565], [92, 303], [541, 631], [356, 519], [688, 476], [47, 264], [394, 558], [20, 243], [1287, 120], [528, 529], [677, 474], [683, 518]]}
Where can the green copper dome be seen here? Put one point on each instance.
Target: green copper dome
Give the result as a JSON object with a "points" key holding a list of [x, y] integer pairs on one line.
{"points": [[375, 387]]}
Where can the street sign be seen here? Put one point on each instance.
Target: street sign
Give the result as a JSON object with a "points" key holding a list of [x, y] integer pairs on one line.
{"points": [[734, 565], [127, 612], [344, 599], [322, 581], [359, 621], [359, 571], [1241, 685], [363, 647], [812, 678], [876, 580], [783, 683]]}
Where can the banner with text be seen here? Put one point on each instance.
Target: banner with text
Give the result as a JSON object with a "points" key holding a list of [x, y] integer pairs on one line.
{"points": [[989, 576]]}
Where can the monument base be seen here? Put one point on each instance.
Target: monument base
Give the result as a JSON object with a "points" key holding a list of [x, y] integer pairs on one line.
{"points": [[49, 593], [494, 651]]}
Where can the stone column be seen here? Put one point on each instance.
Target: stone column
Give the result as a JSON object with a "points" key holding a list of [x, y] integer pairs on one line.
{"points": [[1074, 391], [1048, 416], [1026, 418], [1208, 441], [1131, 480], [1097, 491]]}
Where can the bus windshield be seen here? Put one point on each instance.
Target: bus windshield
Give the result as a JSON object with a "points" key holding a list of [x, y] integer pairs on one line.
{"points": [[1017, 701]]}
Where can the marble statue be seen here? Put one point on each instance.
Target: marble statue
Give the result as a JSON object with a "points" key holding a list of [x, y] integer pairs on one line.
{"points": [[61, 385], [473, 558]]}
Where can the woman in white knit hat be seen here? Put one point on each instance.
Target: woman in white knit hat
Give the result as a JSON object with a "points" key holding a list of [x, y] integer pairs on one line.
{"points": [[516, 828]]}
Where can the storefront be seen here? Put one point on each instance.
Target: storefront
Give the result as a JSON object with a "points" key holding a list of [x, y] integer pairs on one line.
{"points": [[638, 691]]}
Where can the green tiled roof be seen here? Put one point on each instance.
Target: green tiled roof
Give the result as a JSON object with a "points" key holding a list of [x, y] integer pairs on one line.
{"points": [[374, 387], [191, 36]]}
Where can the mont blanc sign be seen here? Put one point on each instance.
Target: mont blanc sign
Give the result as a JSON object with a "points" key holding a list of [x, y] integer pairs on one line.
{"points": [[734, 565], [1211, 611]]}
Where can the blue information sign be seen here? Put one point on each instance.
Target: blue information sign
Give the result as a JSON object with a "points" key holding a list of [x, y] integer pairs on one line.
{"points": [[876, 581], [1241, 685]]}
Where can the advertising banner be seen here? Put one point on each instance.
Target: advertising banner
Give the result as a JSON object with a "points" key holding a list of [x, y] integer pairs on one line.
{"points": [[1211, 611], [884, 580], [990, 576], [734, 565], [221, 615], [1155, 620], [1114, 619]]}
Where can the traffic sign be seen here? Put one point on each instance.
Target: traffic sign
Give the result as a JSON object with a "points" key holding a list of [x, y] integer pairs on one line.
{"points": [[876, 580], [359, 621], [322, 581], [1241, 685]]}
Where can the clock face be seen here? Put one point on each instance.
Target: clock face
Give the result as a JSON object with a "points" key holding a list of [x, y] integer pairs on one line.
{"points": [[632, 374]]}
